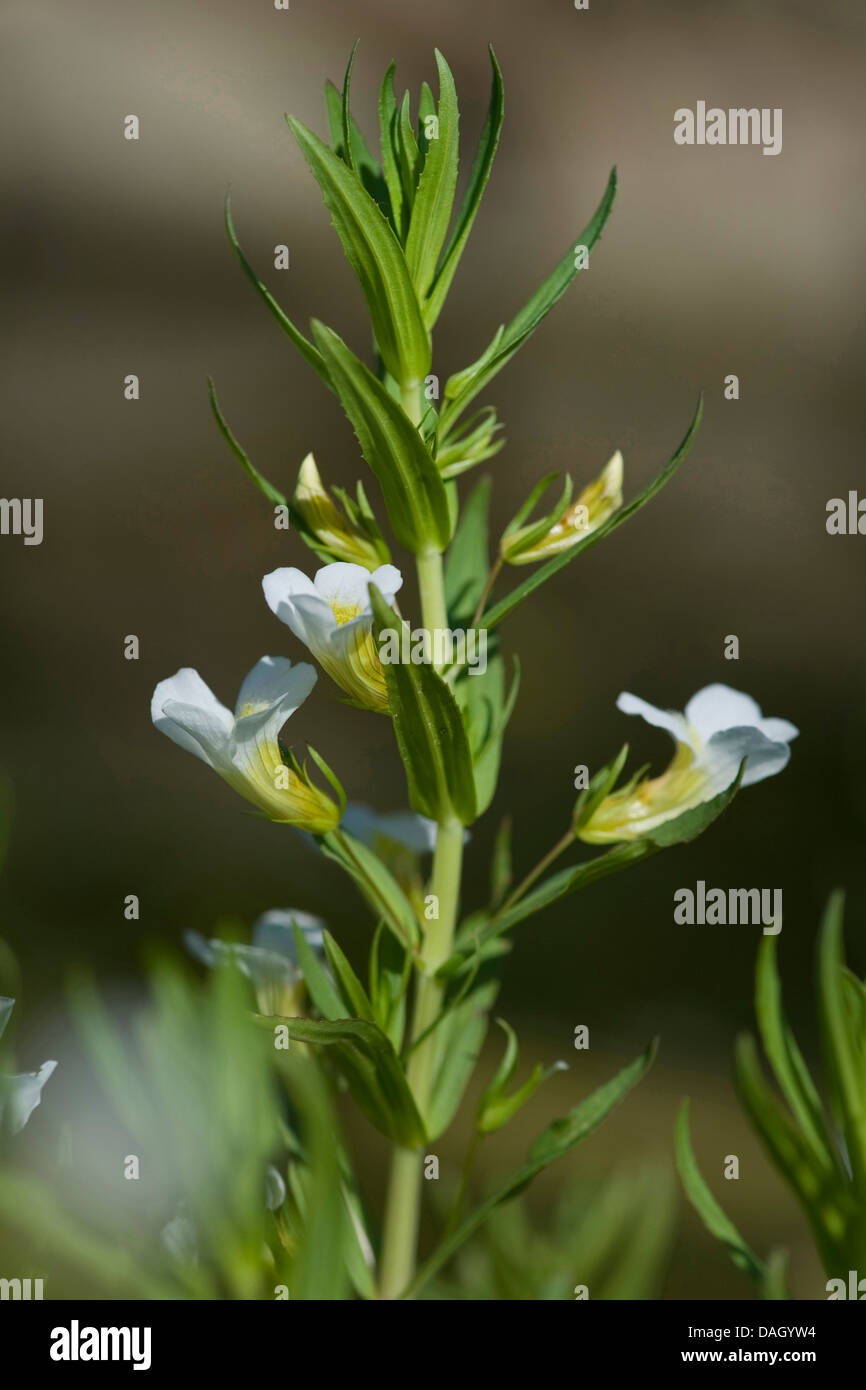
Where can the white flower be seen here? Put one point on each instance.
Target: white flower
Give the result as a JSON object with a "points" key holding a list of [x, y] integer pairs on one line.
{"points": [[271, 962], [243, 748], [19, 1095], [385, 832], [720, 727], [331, 615]]}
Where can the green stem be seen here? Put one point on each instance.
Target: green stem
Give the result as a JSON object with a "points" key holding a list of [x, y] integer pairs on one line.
{"points": [[559, 848], [403, 1203]]}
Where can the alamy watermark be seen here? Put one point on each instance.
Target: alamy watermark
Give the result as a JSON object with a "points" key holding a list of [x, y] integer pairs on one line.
{"points": [[736, 126], [757, 907], [22, 516], [443, 646]]}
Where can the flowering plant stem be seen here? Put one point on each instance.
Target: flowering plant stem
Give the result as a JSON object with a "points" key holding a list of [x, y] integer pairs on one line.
{"points": [[404, 1191]]}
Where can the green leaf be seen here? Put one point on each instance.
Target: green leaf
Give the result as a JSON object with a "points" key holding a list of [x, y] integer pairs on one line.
{"points": [[558, 1139], [784, 1057], [429, 731], [540, 576], [472, 197], [376, 882], [321, 1266], [319, 987], [413, 491], [775, 1286], [500, 864], [600, 785], [390, 160], [467, 565], [524, 324], [273, 494], [841, 1042], [304, 346], [365, 1058], [495, 1108], [486, 710], [360, 158], [459, 1039], [409, 154], [706, 1205], [377, 259], [390, 970], [353, 992], [558, 885], [434, 198], [819, 1193], [681, 829], [346, 118]]}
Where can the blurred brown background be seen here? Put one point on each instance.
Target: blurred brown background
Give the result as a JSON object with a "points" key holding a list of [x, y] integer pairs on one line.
{"points": [[715, 261]]}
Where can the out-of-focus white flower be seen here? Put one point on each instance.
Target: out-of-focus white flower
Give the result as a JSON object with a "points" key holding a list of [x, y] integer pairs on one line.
{"points": [[19, 1095], [331, 615], [243, 748], [270, 963], [720, 727], [275, 1188], [388, 831]]}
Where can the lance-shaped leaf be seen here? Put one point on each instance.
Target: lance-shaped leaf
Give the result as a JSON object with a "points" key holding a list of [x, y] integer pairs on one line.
{"points": [[467, 564], [304, 346], [429, 730], [545, 572], [365, 1058], [495, 1107], [706, 1206], [785, 1057], [350, 987], [840, 1033], [349, 143], [319, 986], [377, 259], [459, 1039], [434, 197], [391, 155], [558, 1139], [459, 392], [376, 882], [273, 494], [472, 197], [320, 1272], [820, 1194], [486, 710], [413, 490], [601, 783]]}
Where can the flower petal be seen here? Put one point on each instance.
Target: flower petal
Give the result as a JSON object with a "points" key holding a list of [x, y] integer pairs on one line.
{"points": [[669, 719], [779, 730], [20, 1095], [405, 828], [187, 711], [271, 684], [718, 707], [292, 596], [273, 931], [725, 751]]}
